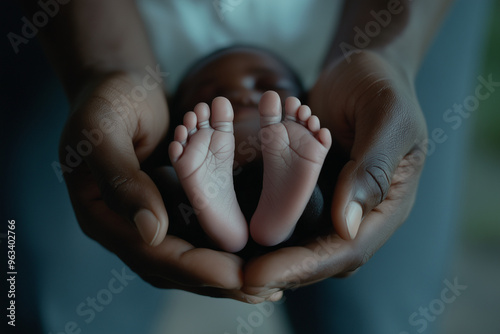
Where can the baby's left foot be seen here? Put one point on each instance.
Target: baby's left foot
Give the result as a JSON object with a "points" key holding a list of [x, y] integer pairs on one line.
{"points": [[293, 151]]}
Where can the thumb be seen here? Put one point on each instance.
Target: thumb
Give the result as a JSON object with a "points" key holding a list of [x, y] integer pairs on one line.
{"points": [[124, 187], [365, 179], [362, 185]]}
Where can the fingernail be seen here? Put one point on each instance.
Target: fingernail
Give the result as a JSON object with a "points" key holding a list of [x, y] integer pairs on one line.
{"points": [[148, 225], [268, 293], [276, 296], [353, 216]]}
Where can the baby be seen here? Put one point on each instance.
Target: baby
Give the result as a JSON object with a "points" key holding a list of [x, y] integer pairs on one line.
{"points": [[245, 87]]}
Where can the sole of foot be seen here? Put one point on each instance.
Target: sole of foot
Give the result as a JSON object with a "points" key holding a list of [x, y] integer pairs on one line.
{"points": [[202, 155], [293, 152]]}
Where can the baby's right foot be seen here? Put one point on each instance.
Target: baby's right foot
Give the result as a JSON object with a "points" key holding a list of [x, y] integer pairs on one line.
{"points": [[202, 156], [293, 151]]}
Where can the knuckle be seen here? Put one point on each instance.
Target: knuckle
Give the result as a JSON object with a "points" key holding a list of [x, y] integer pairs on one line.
{"points": [[364, 258], [355, 257], [379, 178], [417, 158], [116, 186], [119, 182], [360, 258]]}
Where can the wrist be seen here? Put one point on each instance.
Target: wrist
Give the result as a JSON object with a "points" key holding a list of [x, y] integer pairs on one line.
{"points": [[398, 31], [380, 63]]}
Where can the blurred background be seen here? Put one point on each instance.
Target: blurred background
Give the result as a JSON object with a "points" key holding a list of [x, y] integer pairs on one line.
{"points": [[477, 258], [30, 96]]}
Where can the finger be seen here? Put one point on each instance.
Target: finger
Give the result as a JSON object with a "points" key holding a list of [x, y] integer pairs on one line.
{"points": [[346, 274], [163, 283], [122, 184], [175, 260], [179, 262], [381, 141], [291, 267], [327, 256], [129, 190]]}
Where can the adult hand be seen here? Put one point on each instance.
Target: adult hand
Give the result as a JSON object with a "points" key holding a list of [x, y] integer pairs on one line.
{"points": [[116, 127], [373, 114]]}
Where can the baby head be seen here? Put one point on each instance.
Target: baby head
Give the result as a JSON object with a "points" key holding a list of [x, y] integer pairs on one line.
{"points": [[241, 74]]}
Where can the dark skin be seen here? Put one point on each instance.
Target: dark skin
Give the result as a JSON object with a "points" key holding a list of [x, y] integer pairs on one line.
{"points": [[104, 60], [99, 63], [368, 101]]}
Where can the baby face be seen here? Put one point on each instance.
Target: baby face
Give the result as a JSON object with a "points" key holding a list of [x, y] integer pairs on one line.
{"points": [[242, 75]]}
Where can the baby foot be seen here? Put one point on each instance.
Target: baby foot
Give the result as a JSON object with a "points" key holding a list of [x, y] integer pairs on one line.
{"points": [[202, 155], [293, 151]]}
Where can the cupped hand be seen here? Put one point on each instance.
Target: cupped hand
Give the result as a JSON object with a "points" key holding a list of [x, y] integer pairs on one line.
{"points": [[372, 111], [115, 127]]}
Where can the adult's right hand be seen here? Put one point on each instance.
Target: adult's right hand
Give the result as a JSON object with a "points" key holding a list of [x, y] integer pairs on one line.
{"points": [[116, 125]]}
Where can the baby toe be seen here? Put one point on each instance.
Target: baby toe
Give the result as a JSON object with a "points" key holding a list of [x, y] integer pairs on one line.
{"points": [[175, 150], [292, 105], [181, 134], [190, 121], [313, 124], [325, 138], [304, 113], [269, 109], [202, 112], [222, 115]]}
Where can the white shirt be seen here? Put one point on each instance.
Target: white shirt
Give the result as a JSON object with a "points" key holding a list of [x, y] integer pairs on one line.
{"points": [[182, 31]]}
